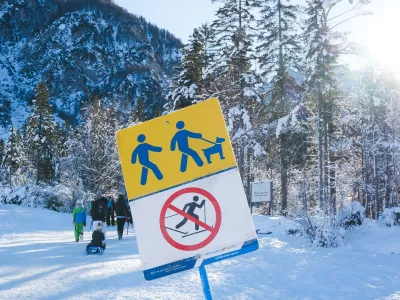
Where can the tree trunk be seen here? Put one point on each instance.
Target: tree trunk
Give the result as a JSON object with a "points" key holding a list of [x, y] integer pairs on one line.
{"points": [[284, 176], [332, 170], [321, 201]]}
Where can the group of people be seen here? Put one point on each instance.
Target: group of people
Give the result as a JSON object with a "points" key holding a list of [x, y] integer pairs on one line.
{"points": [[102, 210]]}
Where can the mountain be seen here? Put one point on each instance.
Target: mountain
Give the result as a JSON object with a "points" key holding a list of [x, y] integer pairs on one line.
{"points": [[81, 48]]}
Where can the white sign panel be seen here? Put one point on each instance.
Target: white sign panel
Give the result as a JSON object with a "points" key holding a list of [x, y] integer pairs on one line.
{"points": [[261, 191], [194, 224]]}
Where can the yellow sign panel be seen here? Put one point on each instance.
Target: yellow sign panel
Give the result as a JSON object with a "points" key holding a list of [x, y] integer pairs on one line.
{"points": [[175, 149]]}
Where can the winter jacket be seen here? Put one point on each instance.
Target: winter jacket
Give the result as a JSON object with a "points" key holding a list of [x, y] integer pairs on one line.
{"points": [[121, 209], [97, 238], [79, 214], [97, 211]]}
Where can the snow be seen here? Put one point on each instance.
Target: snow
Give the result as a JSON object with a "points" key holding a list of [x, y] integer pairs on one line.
{"points": [[377, 101], [62, 26], [38, 251]]}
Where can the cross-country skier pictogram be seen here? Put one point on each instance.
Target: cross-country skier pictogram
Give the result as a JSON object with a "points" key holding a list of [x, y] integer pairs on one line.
{"points": [[191, 206], [142, 152]]}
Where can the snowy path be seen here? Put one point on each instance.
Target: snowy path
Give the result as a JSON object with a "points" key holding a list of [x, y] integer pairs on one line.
{"points": [[40, 260]]}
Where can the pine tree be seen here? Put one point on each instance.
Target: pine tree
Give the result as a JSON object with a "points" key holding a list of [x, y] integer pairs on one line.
{"points": [[378, 139], [41, 137], [233, 44], [5, 112], [235, 81], [1, 149], [278, 55], [321, 58], [138, 112], [99, 168], [324, 45], [71, 171], [192, 83], [12, 158]]}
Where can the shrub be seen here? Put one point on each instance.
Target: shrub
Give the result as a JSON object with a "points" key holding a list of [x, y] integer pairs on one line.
{"points": [[323, 231], [391, 216], [352, 215]]}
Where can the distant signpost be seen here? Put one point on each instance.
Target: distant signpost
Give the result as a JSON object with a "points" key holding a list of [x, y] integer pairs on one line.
{"points": [[185, 191], [261, 192]]}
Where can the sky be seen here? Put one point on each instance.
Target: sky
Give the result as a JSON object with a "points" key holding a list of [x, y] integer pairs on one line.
{"points": [[376, 35]]}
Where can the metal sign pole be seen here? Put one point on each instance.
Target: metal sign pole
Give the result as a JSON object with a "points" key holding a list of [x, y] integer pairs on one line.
{"points": [[272, 199], [251, 198], [204, 283]]}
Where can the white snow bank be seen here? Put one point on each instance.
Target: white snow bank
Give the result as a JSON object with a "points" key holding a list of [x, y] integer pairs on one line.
{"points": [[37, 250]]}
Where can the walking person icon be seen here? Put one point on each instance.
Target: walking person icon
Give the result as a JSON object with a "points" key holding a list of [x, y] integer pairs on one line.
{"points": [[142, 153], [191, 206], [182, 139]]}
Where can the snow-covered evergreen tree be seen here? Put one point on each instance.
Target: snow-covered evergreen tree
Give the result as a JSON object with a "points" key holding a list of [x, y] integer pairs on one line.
{"points": [[192, 84], [41, 136], [278, 54], [377, 104], [97, 151], [12, 158], [323, 46], [236, 82], [71, 165]]}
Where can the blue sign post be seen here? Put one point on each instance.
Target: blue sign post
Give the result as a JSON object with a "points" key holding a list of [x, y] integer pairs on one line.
{"points": [[204, 283]]}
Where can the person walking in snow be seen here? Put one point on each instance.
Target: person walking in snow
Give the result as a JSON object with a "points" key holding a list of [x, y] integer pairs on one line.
{"points": [[121, 210], [98, 237], [110, 212], [97, 211], [79, 219]]}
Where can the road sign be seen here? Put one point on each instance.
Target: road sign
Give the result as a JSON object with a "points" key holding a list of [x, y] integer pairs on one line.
{"points": [[185, 191], [261, 191]]}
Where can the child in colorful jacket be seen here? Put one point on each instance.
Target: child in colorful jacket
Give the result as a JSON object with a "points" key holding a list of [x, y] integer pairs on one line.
{"points": [[79, 219]]}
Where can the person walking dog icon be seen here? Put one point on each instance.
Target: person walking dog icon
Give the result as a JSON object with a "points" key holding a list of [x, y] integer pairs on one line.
{"points": [[181, 138], [142, 153]]}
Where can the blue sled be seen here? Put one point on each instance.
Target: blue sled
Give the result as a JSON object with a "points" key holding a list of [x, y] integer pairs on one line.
{"points": [[95, 250]]}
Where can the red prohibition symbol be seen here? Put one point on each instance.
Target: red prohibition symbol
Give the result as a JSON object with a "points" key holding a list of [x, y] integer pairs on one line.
{"points": [[213, 230]]}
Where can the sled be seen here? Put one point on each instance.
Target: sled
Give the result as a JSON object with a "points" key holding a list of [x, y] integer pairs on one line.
{"points": [[264, 233], [95, 250]]}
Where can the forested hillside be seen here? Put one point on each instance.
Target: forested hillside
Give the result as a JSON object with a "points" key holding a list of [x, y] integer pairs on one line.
{"points": [[81, 49]]}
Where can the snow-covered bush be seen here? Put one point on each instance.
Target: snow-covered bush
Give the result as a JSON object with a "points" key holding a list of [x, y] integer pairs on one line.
{"points": [[352, 215], [57, 198], [323, 231], [329, 231], [391, 216]]}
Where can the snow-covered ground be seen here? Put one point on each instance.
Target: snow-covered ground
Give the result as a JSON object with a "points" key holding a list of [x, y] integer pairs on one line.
{"points": [[39, 259]]}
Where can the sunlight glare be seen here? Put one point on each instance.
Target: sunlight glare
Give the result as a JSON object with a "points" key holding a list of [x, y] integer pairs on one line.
{"points": [[383, 40]]}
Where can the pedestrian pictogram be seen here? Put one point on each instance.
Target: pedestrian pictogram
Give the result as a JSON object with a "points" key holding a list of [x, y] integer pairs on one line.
{"points": [[142, 153], [187, 224], [181, 138]]}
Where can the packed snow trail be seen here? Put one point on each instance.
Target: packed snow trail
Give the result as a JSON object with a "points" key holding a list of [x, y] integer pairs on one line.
{"points": [[39, 259]]}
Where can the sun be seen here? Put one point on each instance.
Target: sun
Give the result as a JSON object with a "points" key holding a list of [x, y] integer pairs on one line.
{"points": [[384, 40]]}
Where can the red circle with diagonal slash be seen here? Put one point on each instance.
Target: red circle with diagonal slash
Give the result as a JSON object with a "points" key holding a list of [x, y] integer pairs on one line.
{"points": [[214, 230]]}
